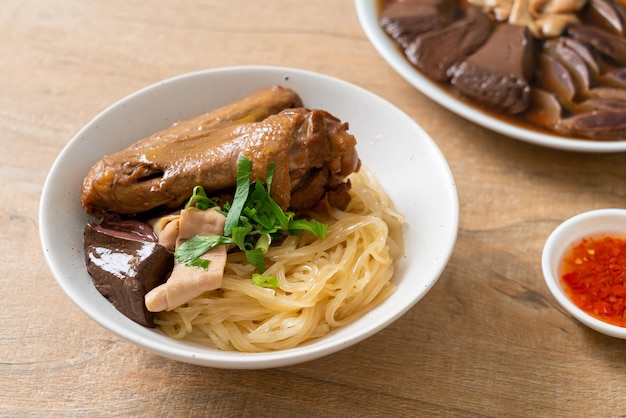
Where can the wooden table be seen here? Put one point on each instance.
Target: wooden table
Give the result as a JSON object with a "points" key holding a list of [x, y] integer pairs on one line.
{"points": [[488, 340]]}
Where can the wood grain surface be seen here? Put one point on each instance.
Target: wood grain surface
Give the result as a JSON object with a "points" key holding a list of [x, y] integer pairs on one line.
{"points": [[488, 340]]}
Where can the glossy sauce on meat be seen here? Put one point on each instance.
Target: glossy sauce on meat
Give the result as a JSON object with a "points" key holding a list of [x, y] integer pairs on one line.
{"points": [[562, 73], [126, 261]]}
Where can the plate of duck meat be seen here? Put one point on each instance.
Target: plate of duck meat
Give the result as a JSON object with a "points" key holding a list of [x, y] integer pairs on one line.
{"points": [[548, 72]]}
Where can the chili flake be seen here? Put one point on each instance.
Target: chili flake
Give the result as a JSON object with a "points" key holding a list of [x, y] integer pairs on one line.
{"points": [[594, 274]]}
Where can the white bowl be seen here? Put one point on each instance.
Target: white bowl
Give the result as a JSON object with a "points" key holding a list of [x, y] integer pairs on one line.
{"points": [[405, 160], [367, 12], [595, 223]]}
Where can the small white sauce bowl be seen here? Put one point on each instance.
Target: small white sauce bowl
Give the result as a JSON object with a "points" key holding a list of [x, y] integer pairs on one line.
{"points": [[595, 223]]}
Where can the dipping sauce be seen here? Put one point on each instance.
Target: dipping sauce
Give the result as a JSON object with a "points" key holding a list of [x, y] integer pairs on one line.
{"points": [[593, 274]]}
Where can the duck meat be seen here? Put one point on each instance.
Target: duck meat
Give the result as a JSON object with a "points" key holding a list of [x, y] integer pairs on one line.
{"points": [[403, 20], [434, 52], [497, 74], [311, 150]]}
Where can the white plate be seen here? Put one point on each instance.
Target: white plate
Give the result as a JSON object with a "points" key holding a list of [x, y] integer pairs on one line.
{"points": [[405, 160], [367, 12]]}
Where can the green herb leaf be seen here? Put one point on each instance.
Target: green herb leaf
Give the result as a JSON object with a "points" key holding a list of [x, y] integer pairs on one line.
{"points": [[239, 234], [200, 200], [264, 211], [270, 177], [201, 263], [253, 220], [314, 226], [256, 258], [244, 170], [263, 243], [190, 251], [265, 281]]}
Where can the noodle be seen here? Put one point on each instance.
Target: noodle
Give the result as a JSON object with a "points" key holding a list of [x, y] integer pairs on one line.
{"points": [[324, 283]]}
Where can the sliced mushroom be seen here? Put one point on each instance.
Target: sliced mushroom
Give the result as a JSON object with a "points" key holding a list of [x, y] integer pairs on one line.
{"points": [[595, 104], [608, 44], [499, 9], [545, 110], [615, 78], [552, 76], [585, 53], [574, 63], [608, 93], [547, 7], [520, 15], [609, 124], [554, 25], [606, 14]]}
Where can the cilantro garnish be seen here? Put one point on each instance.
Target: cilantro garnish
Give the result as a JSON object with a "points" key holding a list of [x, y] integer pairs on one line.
{"points": [[265, 281], [190, 251], [200, 200], [253, 221], [244, 168]]}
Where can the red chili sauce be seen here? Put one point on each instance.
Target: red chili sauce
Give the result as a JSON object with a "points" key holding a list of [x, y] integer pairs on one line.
{"points": [[594, 274]]}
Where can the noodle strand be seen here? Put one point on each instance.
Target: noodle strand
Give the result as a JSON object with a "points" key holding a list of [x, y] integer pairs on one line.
{"points": [[323, 283]]}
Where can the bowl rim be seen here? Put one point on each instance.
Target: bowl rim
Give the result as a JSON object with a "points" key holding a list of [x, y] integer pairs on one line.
{"points": [[367, 13], [565, 235], [214, 358]]}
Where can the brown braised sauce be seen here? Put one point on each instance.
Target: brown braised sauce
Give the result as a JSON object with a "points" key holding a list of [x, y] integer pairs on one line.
{"points": [[597, 110]]}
